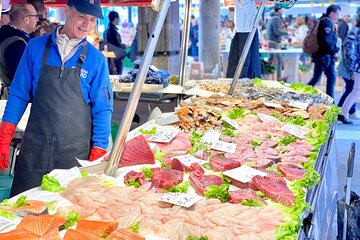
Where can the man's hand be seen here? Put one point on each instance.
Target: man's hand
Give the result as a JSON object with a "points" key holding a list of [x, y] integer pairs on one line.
{"points": [[7, 131], [96, 153]]}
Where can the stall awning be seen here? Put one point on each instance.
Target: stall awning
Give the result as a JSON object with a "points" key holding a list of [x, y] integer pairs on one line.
{"points": [[59, 3]]}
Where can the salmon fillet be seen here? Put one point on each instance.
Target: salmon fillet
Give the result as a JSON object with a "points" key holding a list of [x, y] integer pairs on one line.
{"points": [[96, 228], [18, 234], [40, 225], [34, 207], [73, 234], [124, 234]]}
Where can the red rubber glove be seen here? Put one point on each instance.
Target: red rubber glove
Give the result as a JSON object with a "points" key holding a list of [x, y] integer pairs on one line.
{"points": [[7, 131], [96, 153]]}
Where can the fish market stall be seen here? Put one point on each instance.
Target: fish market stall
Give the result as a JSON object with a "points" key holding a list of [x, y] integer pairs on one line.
{"points": [[216, 168]]}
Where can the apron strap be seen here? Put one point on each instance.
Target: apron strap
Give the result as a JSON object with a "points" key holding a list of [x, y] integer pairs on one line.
{"points": [[46, 51]]}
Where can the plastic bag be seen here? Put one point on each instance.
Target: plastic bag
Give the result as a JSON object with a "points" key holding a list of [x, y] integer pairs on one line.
{"points": [[353, 228]]}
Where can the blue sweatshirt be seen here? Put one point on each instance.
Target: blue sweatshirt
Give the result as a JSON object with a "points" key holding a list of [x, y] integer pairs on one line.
{"points": [[95, 85]]}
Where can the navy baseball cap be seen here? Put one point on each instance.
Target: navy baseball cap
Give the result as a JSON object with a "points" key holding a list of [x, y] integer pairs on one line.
{"points": [[90, 7]]}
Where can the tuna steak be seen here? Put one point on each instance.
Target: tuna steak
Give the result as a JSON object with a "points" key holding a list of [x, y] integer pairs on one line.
{"points": [[165, 178], [136, 151], [138, 176], [220, 164], [199, 181], [291, 173], [244, 194], [275, 188]]}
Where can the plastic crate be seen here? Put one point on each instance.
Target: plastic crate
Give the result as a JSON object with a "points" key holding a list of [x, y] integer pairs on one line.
{"points": [[5, 187]]}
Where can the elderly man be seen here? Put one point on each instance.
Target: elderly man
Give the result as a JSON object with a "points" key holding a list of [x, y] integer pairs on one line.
{"points": [[66, 80], [13, 41]]}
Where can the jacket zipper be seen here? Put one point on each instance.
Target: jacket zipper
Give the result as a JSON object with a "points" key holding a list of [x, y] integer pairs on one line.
{"points": [[61, 70]]}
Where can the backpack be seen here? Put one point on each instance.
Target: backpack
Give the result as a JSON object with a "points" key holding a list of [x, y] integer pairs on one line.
{"points": [[5, 81], [349, 49], [311, 45]]}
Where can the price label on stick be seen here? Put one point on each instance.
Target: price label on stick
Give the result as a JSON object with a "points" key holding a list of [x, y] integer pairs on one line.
{"points": [[230, 121], [300, 105], [164, 135], [244, 173], [181, 199], [224, 146], [210, 136], [188, 159], [294, 130], [264, 117]]}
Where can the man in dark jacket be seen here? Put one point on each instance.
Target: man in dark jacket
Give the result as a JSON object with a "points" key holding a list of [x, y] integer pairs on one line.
{"points": [[44, 26], [325, 58], [13, 41], [274, 33], [112, 36]]}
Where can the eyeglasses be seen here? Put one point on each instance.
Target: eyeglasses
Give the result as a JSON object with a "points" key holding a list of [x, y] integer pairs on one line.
{"points": [[33, 15]]}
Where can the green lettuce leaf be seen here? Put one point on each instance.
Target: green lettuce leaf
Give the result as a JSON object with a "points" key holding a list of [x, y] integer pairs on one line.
{"points": [[147, 172], [21, 201], [220, 192], [159, 156], [195, 138], [6, 214], [258, 82], [71, 219], [49, 183], [235, 113], [134, 183], [196, 238], [298, 120], [287, 140], [252, 203], [52, 205], [151, 131], [84, 174], [181, 188], [135, 227], [206, 166], [331, 114], [300, 87], [256, 143]]}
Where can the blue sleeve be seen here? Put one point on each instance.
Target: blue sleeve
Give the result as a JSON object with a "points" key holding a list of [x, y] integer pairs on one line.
{"points": [[20, 90], [101, 100]]}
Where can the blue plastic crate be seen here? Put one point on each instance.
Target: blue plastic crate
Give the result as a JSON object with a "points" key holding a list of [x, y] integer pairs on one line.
{"points": [[5, 187]]}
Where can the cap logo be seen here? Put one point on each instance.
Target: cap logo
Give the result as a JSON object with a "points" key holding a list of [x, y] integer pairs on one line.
{"points": [[91, 1]]}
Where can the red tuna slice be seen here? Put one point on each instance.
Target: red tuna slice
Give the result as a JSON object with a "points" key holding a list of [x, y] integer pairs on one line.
{"points": [[291, 173], [220, 164], [301, 144], [260, 162], [274, 189], [244, 194], [138, 176], [200, 182], [202, 154], [136, 151], [180, 144], [197, 168], [165, 178], [177, 165], [293, 159]]}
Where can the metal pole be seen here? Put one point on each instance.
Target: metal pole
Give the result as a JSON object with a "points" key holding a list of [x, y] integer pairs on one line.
{"points": [[185, 41], [133, 101], [348, 188], [246, 48]]}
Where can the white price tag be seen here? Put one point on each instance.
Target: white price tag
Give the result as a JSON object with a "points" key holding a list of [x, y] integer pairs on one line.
{"points": [[210, 136], [271, 104], [164, 135], [224, 146], [230, 121], [167, 119], [188, 159], [264, 117], [65, 176], [244, 173], [181, 199], [300, 105], [294, 130], [4, 223]]}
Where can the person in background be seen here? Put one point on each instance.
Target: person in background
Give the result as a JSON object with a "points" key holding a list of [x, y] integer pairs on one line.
{"points": [[229, 34], [348, 107], [194, 39], [343, 27], [13, 40], [5, 18], [301, 31], [66, 80], [310, 22], [274, 34], [252, 66], [44, 26], [112, 36], [324, 59]]}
